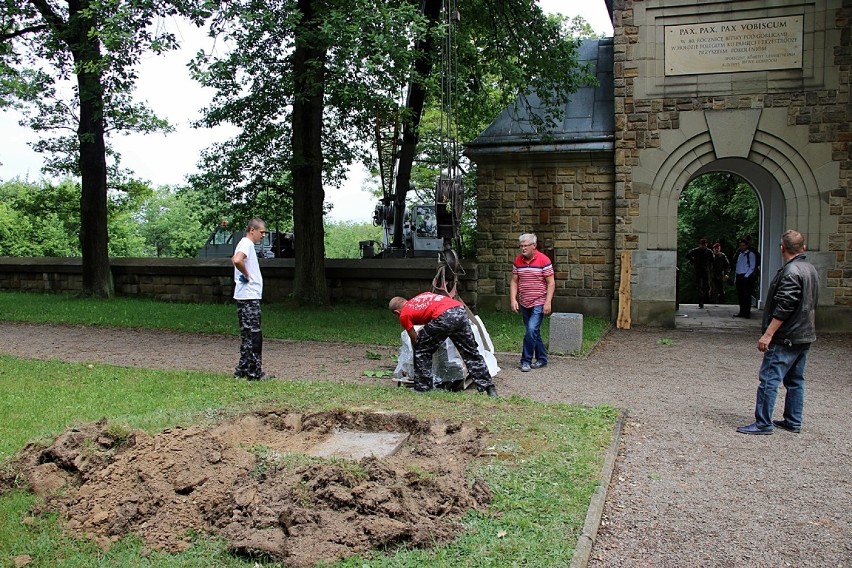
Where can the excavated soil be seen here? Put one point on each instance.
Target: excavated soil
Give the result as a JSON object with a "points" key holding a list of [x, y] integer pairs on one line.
{"points": [[687, 489], [251, 481]]}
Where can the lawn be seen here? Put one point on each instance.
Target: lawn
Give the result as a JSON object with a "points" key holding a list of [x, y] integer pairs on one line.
{"points": [[343, 322], [543, 466]]}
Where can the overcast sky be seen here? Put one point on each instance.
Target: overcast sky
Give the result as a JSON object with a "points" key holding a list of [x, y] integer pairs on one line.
{"points": [[166, 159]]}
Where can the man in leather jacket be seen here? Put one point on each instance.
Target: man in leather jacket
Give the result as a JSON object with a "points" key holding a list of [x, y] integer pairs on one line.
{"points": [[788, 331]]}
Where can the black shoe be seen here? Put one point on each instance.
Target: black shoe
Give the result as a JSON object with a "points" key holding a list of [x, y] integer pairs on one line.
{"points": [[784, 425], [538, 365], [491, 391], [700, 306], [753, 428]]}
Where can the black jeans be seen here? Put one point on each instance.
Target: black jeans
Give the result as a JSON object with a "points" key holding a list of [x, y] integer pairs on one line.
{"points": [[745, 287]]}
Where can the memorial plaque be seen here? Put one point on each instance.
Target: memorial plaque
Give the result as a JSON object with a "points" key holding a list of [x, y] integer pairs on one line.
{"points": [[740, 45]]}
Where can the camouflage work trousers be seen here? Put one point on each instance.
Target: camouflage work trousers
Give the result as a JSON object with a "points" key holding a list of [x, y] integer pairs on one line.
{"points": [[455, 325], [251, 340]]}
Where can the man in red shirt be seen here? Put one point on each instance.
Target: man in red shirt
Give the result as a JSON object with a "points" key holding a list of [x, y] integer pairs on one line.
{"points": [[531, 293], [441, 317]]}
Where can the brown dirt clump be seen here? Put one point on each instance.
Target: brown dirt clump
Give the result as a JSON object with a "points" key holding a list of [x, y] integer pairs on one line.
{"points": [[252, 481]]}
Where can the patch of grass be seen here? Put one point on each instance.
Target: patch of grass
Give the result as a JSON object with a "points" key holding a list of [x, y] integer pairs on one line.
{"points": [[345, 322], [543, 471], [378, 374], [266, 459], [421, 475], [353, 470], [664, 341]]}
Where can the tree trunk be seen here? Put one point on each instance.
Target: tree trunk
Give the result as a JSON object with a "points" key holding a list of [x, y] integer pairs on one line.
{"points": [[97, 276], [309, 284], [424, 50]]}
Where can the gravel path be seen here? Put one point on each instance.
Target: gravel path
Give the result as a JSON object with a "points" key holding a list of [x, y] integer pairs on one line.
{"points": [[687, 489]]}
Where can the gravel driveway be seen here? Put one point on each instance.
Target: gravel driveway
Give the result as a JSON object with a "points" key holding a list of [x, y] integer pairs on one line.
{"points": [[687, 489]]}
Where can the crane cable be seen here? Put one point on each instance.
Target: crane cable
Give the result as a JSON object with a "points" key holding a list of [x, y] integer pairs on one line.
{"points": [[448, 71]]}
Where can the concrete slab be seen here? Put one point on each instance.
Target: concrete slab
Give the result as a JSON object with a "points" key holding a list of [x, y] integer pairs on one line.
{"points": [[356, 445], [715, 317]]}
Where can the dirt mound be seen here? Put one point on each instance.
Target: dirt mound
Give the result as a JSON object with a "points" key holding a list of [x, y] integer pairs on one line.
{"points": [[252, 481]]}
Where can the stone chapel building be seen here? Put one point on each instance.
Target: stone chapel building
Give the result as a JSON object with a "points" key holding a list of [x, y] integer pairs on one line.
{"points": [[759, 89]]}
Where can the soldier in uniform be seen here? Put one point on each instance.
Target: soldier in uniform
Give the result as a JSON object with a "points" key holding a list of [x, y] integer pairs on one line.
{"points": [[719, 273], [702, 260]]}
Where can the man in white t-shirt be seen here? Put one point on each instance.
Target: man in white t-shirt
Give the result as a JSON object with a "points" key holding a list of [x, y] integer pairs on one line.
{"points": [[248, 290]]}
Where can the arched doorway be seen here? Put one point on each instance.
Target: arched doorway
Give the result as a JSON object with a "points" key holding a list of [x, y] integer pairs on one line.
{"points": [[772, 211], [791, 177]]}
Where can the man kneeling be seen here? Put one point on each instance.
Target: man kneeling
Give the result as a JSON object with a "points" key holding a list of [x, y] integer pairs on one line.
{"points": [[441, 317]]}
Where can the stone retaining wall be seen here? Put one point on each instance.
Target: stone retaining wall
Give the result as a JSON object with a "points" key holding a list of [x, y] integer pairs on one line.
{"points": [[211, 280]]}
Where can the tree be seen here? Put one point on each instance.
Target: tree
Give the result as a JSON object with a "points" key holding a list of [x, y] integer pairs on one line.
{"points": [[308, 80], [171, 223], [720, 207], [99, 43], [39, 219], [342, 238], [43, 219]]}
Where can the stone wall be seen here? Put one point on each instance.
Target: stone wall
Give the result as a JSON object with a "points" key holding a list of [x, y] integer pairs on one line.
{"points": [[815, 98], [567, 202], [372, 281]]}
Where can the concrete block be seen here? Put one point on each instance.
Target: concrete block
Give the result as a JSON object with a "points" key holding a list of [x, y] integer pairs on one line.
{"points": [[357, 445], [566, 333]]}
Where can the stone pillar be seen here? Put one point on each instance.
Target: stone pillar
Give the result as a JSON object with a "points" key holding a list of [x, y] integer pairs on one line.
{"points": [[566, 333]]}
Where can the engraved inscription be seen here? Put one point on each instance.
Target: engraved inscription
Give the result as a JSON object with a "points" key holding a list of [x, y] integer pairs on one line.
{"points": [[727, 47]]}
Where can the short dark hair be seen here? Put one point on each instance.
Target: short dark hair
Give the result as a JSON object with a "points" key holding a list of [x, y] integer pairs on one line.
{"points": [[793, 241], [255, 223]]}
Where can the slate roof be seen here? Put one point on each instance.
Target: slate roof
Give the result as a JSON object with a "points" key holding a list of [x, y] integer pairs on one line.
{"points": [[588, 123]]}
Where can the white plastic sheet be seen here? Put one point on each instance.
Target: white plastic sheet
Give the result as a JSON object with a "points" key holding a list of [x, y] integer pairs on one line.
{"points": [[447, 364]]}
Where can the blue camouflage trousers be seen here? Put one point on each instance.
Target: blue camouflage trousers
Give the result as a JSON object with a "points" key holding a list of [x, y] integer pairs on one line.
{"points": [[251, 340], [455, 325]]}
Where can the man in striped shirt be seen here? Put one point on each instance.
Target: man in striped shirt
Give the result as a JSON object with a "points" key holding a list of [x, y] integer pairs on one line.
{"points": [[531, 292]]}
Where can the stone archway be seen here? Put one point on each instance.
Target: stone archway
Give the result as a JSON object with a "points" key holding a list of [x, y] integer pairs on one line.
{"points": [[792, 176]]}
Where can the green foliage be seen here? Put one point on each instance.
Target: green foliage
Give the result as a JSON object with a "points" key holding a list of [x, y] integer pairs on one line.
{"points": [[720, 207], [342, 238], [267, 459], [42, 46], [171, 224], [43, 219], [378, 374]]}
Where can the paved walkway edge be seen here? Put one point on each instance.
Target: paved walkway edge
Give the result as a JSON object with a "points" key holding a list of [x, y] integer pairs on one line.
{"points": [[586, 540]]}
